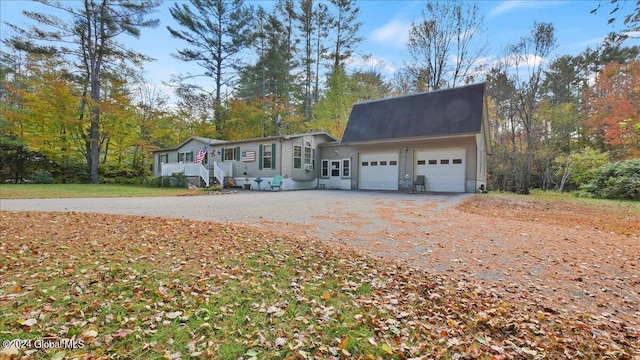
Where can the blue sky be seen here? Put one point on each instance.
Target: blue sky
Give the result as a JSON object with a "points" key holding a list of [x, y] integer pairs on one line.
{"points": [[385, 28]]}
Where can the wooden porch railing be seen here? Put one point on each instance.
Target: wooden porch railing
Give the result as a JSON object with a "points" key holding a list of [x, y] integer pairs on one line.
{"points": [[188, 169]]}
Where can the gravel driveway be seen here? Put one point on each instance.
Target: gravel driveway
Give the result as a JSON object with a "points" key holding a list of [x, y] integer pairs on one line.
{"points": [[327, 211]]}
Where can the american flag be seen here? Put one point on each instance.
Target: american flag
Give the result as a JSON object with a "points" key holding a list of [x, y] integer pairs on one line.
{"points": [[202, 153], [248, 156]]}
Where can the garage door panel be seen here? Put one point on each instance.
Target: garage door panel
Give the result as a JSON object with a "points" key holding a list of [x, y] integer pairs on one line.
{"points": [[444, 169], [379, 171]]}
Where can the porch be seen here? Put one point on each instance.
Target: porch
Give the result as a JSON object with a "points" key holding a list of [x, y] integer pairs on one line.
{"points": [[187, 169]]}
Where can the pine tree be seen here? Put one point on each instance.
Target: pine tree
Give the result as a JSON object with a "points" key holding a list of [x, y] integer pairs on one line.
{"points": [[217, 32]]}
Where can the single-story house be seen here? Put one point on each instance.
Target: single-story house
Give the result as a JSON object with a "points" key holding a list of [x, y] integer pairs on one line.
{"points": [[388, 143], [242, 162]]}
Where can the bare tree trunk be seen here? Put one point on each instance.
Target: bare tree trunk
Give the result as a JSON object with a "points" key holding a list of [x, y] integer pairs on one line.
{"points": [[565, 175]]}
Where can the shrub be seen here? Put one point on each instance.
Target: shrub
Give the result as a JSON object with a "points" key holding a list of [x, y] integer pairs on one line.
{"points": [[42, 177], [620, 180], [176, 180]]}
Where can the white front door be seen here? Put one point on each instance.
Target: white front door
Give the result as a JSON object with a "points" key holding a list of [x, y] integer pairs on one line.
{"points": [[334, 174]]}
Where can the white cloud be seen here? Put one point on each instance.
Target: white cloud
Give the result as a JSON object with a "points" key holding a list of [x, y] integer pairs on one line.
{"points": [[514, 5], [394, 33], [521, 61], [369, 63], [633, 34]]}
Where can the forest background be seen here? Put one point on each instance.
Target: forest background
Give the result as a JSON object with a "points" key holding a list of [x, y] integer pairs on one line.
{"points": [[76, 108]]}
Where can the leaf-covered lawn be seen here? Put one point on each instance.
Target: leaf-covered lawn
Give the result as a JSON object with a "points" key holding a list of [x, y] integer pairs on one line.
{"points": [[143, 287]]}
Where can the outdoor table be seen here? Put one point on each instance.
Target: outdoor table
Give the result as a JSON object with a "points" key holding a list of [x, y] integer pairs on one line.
{"points": [[258, 180]]}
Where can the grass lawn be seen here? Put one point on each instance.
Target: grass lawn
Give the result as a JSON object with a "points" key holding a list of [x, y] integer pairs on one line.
{"points": [[48, 191]]}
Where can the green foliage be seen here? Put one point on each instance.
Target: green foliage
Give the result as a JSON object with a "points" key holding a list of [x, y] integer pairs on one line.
{"points": [[42, 177], [583, 165], [619, 180], [120, 174], [176, 180]]}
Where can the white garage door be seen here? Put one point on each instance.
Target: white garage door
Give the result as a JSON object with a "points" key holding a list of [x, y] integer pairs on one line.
{"points": [[444, 169], [379, 171]]}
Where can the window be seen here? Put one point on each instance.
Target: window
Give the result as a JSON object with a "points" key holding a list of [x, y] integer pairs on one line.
{"points": [[393, 162], [325, 168], [297, 157], [307, 155], [433, 162], [374, 163], [346, 168], [365, 163], [457, 161], [162, 159], [444, 161], [185, 156], [231, 154], [383, 163], [267, 156], [421, 162], [335, 168]]}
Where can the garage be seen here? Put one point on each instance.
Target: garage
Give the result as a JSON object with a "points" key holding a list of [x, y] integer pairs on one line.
{"points": [[379, 171], [444, 169]]}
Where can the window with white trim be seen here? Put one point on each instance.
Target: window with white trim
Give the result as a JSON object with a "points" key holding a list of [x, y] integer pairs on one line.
{"points": [[325, 168], [346, 168], [307, 155], [267, 156], [297, 157]]}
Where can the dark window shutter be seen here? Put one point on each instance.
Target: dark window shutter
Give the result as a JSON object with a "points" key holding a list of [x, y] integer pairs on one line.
{"points": [[273, 156], [260, 157], [222, 156], [237, 153]]}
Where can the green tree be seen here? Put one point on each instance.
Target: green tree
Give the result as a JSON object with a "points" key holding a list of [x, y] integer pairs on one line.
{"points": [[333, 109], [563, 81], [216, 33], [195, 109], [369, 85], [345, 25], [322, 20], [271, 75], [88, 33], [343, 90], [307, 28], [45, 111], [505, 164], [580, 166], [619, 180], [530, 53]]}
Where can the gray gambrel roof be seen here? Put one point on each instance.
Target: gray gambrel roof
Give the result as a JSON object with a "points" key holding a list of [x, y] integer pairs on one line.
{"points": [[436, 113]]}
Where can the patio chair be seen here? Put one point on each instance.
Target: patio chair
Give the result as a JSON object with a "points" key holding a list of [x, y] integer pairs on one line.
{"points": [[420, 182], [276, 183]]}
